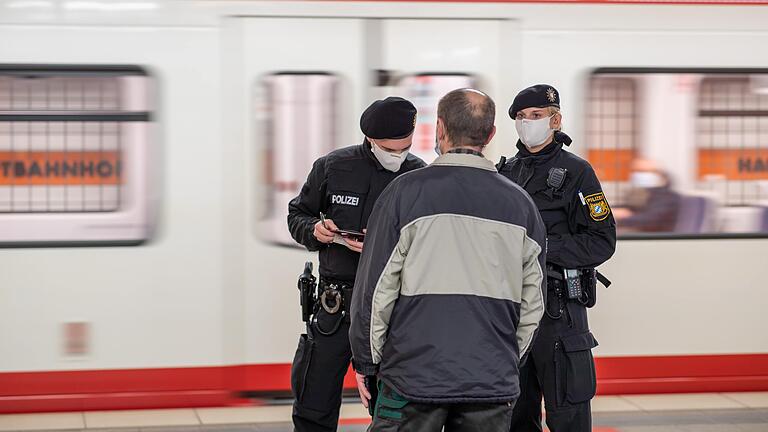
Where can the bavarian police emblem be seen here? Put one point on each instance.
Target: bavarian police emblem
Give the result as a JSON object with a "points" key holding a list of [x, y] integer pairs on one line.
{"points": [[551, 95], [598, 206]]}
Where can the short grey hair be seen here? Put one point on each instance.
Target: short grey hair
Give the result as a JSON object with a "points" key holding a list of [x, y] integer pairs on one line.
{"points": [[467, 122]]}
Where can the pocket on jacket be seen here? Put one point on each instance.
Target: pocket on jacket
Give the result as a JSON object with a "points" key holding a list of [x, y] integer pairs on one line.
{"points": [[300, 366], [575, 369]]}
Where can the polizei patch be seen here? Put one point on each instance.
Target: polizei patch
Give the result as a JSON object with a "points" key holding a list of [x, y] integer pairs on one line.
{"points": [[345, 200], [598, 206]]}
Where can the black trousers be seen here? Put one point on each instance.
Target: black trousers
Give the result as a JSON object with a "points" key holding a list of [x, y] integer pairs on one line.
{"points": [[317, 374], [560, 367], [395, 413]]}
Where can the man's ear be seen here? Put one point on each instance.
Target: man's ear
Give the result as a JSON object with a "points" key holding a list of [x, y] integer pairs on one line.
{"points": [[490, 136], [440, 129]]}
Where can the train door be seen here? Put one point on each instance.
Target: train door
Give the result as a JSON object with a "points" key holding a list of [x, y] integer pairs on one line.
{"points": [[291, 89], [422, 59], [294, 90]]}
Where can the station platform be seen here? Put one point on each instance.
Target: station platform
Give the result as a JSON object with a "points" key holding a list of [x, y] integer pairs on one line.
{"points": [[701, 412]]}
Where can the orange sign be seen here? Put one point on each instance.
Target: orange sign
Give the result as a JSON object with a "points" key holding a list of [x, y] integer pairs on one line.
{"points": [[59, 168], [734, 164], [611, 164]]}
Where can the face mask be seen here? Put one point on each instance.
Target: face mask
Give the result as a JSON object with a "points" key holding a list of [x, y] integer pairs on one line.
{"points": [[390, 161], [646, 179], [437, 147], [533, 133]]}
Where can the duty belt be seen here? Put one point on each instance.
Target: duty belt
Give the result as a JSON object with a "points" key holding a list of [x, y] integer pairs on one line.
{"points": [[335, 295], [572, 285], [557, 274]]}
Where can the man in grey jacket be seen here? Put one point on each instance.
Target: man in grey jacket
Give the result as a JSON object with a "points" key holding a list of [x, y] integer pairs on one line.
{"points": [[448, 293]]}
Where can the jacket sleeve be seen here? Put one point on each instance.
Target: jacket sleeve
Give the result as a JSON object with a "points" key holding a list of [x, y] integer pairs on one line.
{"points": [[533, 296], [593, 231], [377, 284], [304, 210]]}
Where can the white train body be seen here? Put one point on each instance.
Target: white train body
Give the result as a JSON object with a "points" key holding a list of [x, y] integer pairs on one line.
{"points": [[211, 282]]}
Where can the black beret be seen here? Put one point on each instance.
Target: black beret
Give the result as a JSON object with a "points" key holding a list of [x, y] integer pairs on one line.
{"points": [[538, 96], [390, 118]]}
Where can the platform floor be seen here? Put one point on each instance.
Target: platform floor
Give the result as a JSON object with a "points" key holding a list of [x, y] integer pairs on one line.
{"points": [[711, 412]]}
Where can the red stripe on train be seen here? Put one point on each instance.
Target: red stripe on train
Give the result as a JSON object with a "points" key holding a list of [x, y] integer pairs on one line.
{"points": [[217, 386]]}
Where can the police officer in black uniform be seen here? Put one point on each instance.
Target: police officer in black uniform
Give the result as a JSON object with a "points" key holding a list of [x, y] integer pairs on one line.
{"points": [[343, 186], [581, 235]]}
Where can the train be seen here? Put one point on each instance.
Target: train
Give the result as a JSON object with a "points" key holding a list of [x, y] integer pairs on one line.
{"points": [[148, 150]]}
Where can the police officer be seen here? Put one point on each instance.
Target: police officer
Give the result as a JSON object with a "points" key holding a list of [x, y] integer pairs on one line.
{"points": [[581, 235], [343, 185]]}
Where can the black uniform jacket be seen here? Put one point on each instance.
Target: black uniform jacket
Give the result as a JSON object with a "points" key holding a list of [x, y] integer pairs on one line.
{"points": [[344, 184], [581, 232]]}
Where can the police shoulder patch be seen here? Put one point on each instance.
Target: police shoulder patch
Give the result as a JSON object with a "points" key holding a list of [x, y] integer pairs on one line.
{"points": [[598, 206]]}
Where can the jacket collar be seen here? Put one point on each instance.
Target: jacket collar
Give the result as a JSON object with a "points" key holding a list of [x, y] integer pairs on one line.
{"points": [[369, 153], [550, 151], [464, 159], [465, 150]]}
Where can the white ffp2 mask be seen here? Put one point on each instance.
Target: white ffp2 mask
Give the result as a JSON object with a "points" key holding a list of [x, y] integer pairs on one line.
{"points": [[533, 133], [390, 161]]}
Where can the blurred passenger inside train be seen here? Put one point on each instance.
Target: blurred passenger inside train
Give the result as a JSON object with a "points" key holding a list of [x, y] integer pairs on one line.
{"points": [[652, 204]]}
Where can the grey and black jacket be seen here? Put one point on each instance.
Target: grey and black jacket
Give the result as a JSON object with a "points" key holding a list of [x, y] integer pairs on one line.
{"points": [[448, 290]]}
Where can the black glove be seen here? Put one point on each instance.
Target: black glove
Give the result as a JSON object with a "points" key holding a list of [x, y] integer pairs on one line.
{"points": [[372, 384]]}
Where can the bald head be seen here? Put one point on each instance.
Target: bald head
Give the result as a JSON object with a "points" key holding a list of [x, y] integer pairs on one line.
{"points": [[466, 117]]}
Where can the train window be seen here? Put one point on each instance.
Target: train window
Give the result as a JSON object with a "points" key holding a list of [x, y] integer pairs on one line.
{"points": [[425, 91], [682, 152], [612, 132], [297, 113], [733, 137], [73, 143]]}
